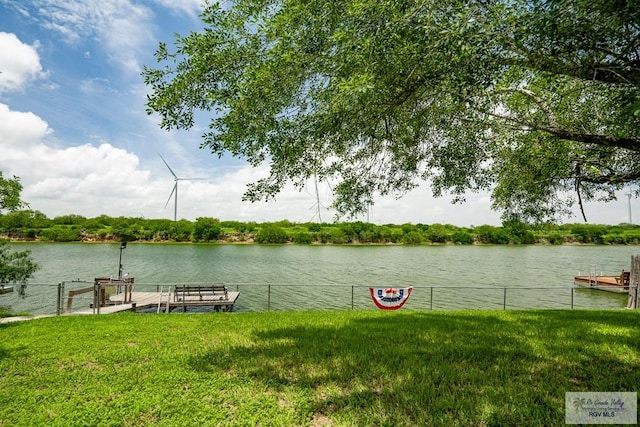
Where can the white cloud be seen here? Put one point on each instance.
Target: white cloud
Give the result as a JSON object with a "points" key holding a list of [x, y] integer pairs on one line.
{"points": [[20, 130], [95, 86], [122, 27], [94, 177], [188, 7], [19, 63]]}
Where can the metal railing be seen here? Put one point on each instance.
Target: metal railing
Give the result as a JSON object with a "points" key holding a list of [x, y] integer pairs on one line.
{"points": [[47, 299], [434, 297]]}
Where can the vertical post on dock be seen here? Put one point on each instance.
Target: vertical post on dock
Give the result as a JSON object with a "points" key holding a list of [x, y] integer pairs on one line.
{"points": [[504, 299], [123, 245], [634, 283], [96, 296]]}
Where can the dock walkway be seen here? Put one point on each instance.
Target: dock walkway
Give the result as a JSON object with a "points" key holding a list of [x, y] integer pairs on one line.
{"points": [[165, 302]]}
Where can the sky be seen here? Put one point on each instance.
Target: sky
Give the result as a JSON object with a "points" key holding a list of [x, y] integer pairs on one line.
{"points": [[74, 128]]}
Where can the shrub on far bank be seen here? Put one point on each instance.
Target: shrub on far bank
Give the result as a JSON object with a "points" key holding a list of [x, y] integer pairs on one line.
{"points": [[492, 235], [303, 238], [413, 238], [271, 234], [338, 236], [462, 238], [588, 233], [60, 233], [555, 238], [437, 233], [207, 229]]}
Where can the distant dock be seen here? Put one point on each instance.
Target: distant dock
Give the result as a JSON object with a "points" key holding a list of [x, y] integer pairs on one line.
{"points": [[610, 283]]}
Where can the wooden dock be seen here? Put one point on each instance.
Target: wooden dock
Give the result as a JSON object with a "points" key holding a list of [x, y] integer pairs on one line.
{"points": [[115, 295], [164, 302], [611, 283]]}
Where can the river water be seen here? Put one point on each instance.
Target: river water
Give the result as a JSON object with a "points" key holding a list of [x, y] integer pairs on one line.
{"points": [[314, 277]]}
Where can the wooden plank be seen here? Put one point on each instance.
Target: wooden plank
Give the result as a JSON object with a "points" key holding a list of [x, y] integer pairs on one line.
{"points": [[600, 280], [74, 293], [107, 310]]}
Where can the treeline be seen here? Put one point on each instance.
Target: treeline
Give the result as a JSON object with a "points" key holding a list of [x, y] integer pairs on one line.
{"points": [[34, 225]]}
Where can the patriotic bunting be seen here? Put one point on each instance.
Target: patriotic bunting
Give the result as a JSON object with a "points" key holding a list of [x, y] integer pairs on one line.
{"points": [[390, 298]]}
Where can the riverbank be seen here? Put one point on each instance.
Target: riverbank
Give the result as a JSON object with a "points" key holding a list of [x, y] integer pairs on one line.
{"points": [[314, 368], [28, 226]]}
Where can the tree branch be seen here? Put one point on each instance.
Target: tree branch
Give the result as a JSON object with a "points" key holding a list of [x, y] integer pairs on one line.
{"points": [[601, 72], [554, 128], [631, 144], [553, 123], [612, 178]]}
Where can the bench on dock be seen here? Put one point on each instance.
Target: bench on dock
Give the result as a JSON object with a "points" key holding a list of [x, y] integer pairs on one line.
{"points": [[624, 279], [200, 292]]}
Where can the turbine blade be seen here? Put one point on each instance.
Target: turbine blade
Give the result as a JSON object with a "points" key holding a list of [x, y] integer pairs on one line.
{"points": [[171, 195], [168, 167]]}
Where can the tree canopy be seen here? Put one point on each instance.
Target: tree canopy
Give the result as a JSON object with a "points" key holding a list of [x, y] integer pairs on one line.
{"points": [[10, 193], [536, 101], [15, 267]]}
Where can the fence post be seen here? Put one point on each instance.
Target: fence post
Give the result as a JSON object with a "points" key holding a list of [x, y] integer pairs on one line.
{"points": [[572, 298], [431, 300], [96, 297], [268, 297], [504, 299], [60, 298], [351, 297]]}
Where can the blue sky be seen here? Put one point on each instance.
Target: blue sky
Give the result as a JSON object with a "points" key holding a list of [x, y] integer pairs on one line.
{"points": [[73, 126]]}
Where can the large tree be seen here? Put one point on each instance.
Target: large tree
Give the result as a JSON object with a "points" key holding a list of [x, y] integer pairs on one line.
{"points": [[15, 266], [536, 101]]}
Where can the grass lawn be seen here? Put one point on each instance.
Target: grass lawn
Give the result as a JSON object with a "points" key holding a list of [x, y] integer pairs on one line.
{"points": [[470, 368]]}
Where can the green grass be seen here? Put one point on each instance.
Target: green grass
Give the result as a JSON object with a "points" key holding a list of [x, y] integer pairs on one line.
{"points": [[469, 368]]}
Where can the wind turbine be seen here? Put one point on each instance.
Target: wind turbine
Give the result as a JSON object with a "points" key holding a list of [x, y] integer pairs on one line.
{"points": [[174, 191]]}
